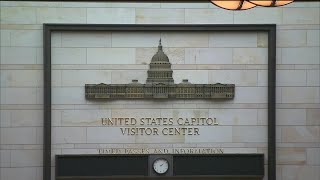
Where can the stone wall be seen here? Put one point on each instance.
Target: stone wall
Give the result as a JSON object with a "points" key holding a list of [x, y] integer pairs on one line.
{"points": [[114, 57]]}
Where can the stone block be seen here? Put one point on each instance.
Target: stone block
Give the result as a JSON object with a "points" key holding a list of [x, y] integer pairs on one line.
{"points": [[110, 56], [262, 39], [227, 39], [159, 16], [65, 135], [300, 95], [26, 118], [313, 157], [227, 117], [259, 16], [208, 56], [193, 76], [85, 4], [237, 77], [29, 38], [68, 95], [29, 4], [291, 38], [293, 16], [263, 117], [291, 78], [107, 135], [5, 37], [5, 116], [251, 95], [25, 173], [86, 39], [84, 117], [313, 37], [208, 16], [313, 77], [185, 39], [250, 56], [262, 78], [175, 55], [300, 134], [135, 5], [26, 158], [61, 15], [18, 95], [300, 55], [5, 158], [291, 117], [126, 77], [69, 56], [291, 156], [211, 134], [135, 39], [185, 5], [56, 78], [18, 15], [81, 77], [249, 134], [21, 78], [18, 55], [313, 117], [111, 15], [21, 135], [296, 172], [135, 113]]}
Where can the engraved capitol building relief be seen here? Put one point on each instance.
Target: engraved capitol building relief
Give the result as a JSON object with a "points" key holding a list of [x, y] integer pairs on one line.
{"points": [[159, 85]]}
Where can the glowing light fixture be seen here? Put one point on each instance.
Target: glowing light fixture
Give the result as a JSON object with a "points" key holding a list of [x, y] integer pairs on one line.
{"points": [[233, 4], [271, 3]]}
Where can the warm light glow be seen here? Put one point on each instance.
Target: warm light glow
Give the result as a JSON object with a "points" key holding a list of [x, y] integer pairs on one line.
{"points": [[233, 5], [271, 3]]}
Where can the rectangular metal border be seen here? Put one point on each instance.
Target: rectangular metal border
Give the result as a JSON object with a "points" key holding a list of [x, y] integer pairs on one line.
{"points": [[269, 28]]}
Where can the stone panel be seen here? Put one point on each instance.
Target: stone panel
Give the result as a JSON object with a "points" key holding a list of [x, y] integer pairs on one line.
{"points": [[70, 95], [69, 56], [259, 16], [241, 39], [25, 173], [32, 38], [18, 55], [5, 116], [193, 76], [249, 134], [300, 55], [25, 135], [295, 172], [85, 39], [25, 158], [313, 37], [291, 78], [18, 15], [18, 96], [293, 16], [185, 39], [291, 156], [26, 118], [313, 157], [135, 39], [84, 117], [82, 77], [5, 158], [313, 77], [21, 78], [126, 77], [208, 56], [300, 134], [61, 15], [234, 116], [237, 77], [251, 95], [313, 117], [185, 5], [5, 37], [111, 15], [159, 16], [291, 116], [300, 95], [66, 135], [291, 38], [208, 16], [250, 56], [110, 56]]}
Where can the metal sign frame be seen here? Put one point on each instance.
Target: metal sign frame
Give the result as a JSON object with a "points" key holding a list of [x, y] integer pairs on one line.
{"points": [[268, 28]]}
